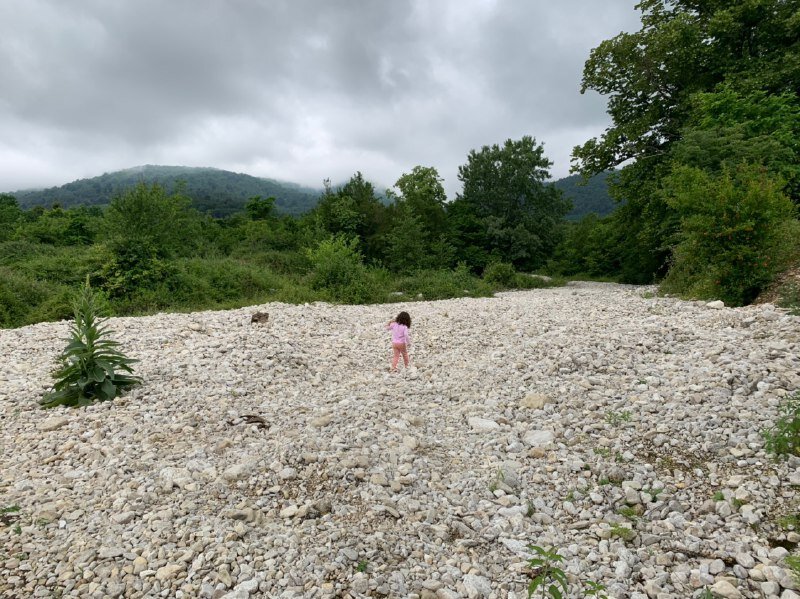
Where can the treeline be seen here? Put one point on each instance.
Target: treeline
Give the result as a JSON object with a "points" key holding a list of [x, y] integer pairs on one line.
{"points": [[705, 127], [213, 191], [151, 249]]}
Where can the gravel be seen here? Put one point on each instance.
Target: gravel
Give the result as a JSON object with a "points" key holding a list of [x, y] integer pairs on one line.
{"points": [[284, 460]]}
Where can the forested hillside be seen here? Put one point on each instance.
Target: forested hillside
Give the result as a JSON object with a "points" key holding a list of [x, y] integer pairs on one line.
{"points": [[213, 191], [151, 248], [222, 193], [589, 198]]}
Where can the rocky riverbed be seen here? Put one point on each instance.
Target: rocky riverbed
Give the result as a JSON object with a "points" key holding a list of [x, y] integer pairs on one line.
{"points": [[284, 460]]}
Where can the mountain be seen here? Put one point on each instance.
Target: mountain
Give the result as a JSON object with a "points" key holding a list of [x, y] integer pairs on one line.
{"points": [[222, 193], [215, 191], [592, 197]]}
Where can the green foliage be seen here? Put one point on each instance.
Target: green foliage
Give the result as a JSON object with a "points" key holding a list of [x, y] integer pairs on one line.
{"points": [[10, 216], [149, 216], [549, 578], [92, 368], [622, 532], [587, 196], [701, 87], [783, 438], [355, 211], [737, 232], [133, 267], [258, 208], [507, 201], [222, 193], [421, 192], [441, 284], [618, 418], [793, 562], [337, 269], [500, 274], [789, 297]]}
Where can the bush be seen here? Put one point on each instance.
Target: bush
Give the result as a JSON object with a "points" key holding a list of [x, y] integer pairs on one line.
{"points": [[338, 272], [783, 438], [90, 364], [737, 232], [20, 296], [442, 284], [500, 274]]}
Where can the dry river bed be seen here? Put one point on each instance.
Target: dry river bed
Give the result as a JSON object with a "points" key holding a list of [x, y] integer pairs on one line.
{"points": [[284, 460]]}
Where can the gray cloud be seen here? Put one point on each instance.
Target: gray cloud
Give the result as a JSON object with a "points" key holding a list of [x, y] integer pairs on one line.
{"points": [[295, 90]]}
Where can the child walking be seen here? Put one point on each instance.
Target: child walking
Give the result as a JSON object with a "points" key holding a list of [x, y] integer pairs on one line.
{"points": [[400, 338]]}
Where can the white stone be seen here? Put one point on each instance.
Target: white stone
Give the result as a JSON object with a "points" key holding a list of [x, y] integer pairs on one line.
{"points": [[482, 425]]}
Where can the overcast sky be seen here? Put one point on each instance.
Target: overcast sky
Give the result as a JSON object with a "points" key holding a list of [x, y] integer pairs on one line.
{"points": [[296, 90]]}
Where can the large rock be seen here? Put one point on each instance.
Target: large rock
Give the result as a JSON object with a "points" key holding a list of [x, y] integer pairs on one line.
{"points": [[538, 438], [482, 425], [534, 401]]}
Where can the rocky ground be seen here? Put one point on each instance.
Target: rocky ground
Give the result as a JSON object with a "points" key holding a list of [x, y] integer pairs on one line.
{"points": [[283, 460]]}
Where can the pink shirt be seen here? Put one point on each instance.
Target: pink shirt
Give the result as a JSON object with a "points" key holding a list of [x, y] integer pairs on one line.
{"points": [[399, 333]]}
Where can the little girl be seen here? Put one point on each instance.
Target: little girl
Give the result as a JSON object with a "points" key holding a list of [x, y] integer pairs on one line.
{"points": [[400, 339]]}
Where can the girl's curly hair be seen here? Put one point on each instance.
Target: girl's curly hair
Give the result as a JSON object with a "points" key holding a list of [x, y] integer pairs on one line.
{"points": [[404, 319]]}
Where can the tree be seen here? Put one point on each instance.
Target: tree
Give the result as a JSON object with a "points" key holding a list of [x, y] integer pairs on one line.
{"points": [[506, 195], [354, 210], [258, 208], [422, 192], [661, 82], [145, 215], [10, 215]]}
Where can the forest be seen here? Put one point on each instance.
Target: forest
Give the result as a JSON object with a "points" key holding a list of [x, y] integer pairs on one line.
{"points": [[701, 158]]}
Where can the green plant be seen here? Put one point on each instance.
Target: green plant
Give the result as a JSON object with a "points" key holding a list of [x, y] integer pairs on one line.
{"points": [[793, 561], [790, 522], [362, 566], [547, 576], [783, 438], [9, 514], [602, 451], [617, 418], [499, 478], [500, 274], [628, 512], [90, 364], [789, 298], [622, 532], [718, 496], [654, 493], [595, 589]]}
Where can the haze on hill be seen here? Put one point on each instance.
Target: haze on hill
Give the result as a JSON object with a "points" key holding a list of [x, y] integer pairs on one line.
{"points": [[222, 193]]}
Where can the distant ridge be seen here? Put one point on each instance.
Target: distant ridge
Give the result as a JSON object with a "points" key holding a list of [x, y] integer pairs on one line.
{"points": [[586, 199], [215, 191], [222, 193]]}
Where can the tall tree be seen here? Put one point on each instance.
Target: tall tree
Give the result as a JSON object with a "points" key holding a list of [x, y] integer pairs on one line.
{"points": [[656, 78], [506, 192], [421, 190], [354, 210]]}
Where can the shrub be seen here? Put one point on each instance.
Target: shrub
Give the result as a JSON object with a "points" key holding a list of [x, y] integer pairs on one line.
{"points": [[21, 298], [132, 268], [90, 364], [337, 270], [442, 284], [500, 274], [737, 232], [783, 438]]}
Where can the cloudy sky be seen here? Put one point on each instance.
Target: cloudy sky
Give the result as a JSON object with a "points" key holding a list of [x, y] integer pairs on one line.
{"points": [[296, 90]]}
